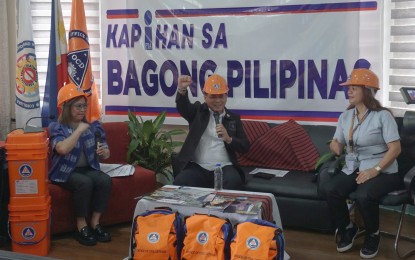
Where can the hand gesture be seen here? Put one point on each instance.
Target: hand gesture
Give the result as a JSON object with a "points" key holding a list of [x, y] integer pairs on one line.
{"points": [[83, 127], [184, 82]]}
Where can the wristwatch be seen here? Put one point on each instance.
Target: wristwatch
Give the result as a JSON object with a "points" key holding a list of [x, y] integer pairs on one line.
{"points": [[378, 168]]}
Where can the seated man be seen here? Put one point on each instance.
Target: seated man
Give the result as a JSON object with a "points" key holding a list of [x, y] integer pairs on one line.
{"points": [[215, 135]]}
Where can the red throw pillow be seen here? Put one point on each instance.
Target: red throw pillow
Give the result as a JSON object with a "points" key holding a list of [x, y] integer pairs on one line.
{"points": [[286, 146], [254, 129]]}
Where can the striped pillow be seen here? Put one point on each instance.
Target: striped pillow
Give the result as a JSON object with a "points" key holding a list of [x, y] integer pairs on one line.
{"points": [[254, 129], [286, 146]]}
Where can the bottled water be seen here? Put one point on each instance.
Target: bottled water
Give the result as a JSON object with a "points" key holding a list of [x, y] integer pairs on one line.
{"points": [[218, 177]]}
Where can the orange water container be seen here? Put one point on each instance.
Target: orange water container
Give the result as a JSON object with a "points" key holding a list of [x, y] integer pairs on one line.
{"points": [[30, 227], [27, 156], [21, 202]]}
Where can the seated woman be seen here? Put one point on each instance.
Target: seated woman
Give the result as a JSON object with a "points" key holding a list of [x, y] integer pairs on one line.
{"points": [[75, 164], [371, 137]]}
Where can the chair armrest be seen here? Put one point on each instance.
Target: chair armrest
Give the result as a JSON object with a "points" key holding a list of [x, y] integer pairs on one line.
{"points": [[325, 173], [409, 179], [335, 166]]}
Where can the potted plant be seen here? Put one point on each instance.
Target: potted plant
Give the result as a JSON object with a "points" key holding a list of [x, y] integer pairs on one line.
{"points": [[151, 147]]}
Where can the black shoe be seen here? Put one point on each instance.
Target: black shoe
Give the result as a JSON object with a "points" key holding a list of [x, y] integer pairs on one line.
{"points": [[86, 237], [370, 246], [101, 235], [347, 237]]}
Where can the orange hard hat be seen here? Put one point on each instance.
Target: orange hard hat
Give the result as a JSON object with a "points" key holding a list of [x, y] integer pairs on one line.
{"points": [[362, 77], [68, 92], [215, 84]]}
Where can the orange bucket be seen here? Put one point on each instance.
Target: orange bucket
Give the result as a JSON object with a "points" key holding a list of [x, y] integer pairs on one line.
{"points": [[25, 203], [27, 156], [30, 228], [20, 206]]}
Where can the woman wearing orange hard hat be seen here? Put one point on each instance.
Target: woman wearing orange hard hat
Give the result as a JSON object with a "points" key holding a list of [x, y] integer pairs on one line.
{"points": [[77, 146], [369, 135], [215, 136]]}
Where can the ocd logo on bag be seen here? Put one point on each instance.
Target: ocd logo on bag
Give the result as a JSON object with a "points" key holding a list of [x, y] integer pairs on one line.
{"points": [[153, 237], [252, 243], [202, 237]]}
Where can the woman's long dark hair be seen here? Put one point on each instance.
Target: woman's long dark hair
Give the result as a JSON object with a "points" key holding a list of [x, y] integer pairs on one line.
{"points": [[65, 117], [370, 101]]}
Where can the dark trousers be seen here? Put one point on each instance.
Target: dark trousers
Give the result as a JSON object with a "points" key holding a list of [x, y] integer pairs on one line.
{"points": [[88, 186], [367, 196], [196, 176]]}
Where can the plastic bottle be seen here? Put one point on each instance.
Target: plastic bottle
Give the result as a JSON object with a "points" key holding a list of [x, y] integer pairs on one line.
{"points": [[218, 177]]}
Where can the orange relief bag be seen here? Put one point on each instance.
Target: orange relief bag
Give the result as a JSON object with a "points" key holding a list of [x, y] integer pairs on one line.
{"points": [[157, 235], [206, 237], [257, 239]]}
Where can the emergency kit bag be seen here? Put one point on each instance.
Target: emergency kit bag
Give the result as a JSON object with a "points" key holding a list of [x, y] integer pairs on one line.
{"points": [[157, 234], [257, 239], [206, 237]]}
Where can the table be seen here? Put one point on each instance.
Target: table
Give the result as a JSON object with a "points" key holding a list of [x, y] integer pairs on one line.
{"points": [[144, 204]]}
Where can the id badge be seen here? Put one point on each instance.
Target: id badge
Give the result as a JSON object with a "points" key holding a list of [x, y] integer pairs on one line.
{"points": [[351, 162]]}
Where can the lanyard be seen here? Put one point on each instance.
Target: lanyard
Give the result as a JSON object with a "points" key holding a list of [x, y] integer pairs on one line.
{"points": [[353, 129]]}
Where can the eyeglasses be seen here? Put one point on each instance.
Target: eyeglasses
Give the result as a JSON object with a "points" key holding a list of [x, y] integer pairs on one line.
{"points": [[79, 107]]}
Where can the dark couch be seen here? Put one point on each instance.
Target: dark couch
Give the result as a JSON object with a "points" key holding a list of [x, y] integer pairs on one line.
{"points": [[124, 189], [297, 193]]}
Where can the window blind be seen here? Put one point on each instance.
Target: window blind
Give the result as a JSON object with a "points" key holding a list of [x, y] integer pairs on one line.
{"points": [[401, 52], [41, 18]]}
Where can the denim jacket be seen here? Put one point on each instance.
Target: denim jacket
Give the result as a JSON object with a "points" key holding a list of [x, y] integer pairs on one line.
{"points": [[63, 165]]}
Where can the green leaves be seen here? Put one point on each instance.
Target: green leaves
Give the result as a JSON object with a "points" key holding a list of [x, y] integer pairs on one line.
{"points": [[324, 158], [150, 146], [327, 157]]}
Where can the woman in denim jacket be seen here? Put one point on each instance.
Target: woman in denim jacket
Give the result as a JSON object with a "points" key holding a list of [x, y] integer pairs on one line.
{"points": [[76, 147]]}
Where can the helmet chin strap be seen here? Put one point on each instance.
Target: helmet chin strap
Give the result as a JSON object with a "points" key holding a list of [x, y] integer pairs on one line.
{"points": [[373, 91]]}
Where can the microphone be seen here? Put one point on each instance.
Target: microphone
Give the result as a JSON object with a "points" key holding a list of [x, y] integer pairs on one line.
{"points": [[35, 129], [216, 116], [97, 140]]}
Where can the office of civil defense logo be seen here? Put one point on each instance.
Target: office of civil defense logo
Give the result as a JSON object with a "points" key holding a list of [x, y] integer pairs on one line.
{"points": [[153, 237], [252, 243], [28, 233], [202, 237], [77, 66], [25, 170]]}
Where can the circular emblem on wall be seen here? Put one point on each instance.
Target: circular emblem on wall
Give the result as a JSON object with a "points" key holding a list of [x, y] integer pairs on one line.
{"points": [[25, 170], [202, 237], [28, 233], [153, 237], [252, 243]]}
